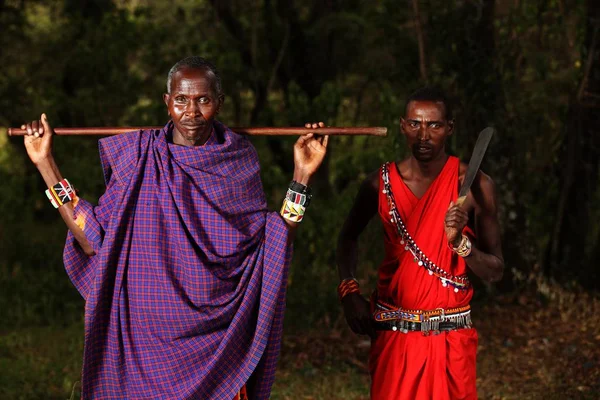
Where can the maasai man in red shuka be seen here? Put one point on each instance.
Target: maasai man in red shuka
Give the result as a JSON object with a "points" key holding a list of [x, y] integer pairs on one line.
{"points": [[182, 267], [423, 345]]}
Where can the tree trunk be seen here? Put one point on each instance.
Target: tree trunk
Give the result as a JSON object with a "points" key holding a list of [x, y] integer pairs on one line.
{"points": [[420, 41], [570, 252]]}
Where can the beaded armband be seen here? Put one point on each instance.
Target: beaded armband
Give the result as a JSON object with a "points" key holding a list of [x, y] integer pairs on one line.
{"points": [[348, 286], [464, 248], [300, 188], [292, 211], [296, 200], [61, 193]]}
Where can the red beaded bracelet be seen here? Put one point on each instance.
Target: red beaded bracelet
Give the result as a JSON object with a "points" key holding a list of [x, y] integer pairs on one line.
{"points": [[348, 286]]}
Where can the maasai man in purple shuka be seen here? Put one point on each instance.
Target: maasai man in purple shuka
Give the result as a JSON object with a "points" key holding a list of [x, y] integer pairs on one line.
{"points": [[182, 266]]}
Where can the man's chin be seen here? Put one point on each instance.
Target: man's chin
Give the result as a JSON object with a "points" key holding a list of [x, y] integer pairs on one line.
{"points": [[193, 134], [423, 157]]}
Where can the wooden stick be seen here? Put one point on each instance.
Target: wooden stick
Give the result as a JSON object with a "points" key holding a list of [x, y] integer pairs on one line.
{"points": [[254, 131]]}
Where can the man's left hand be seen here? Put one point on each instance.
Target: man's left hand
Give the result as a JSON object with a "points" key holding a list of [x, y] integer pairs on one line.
{"points": [[309, 152], [455, 222]]}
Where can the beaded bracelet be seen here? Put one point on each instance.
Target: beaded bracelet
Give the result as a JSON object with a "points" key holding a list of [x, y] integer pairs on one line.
{"points": [[348, 286], [292, 211], [464, 248], [296, 200], [300, 188], [61, 193]]}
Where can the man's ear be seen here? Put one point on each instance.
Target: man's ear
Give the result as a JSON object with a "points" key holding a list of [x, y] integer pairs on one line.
{"points": [[221, 101], [450, 127], [402, 122], [166, 97]]}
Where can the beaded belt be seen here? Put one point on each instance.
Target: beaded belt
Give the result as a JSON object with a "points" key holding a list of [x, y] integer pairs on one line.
{"points": [[388, 317]]}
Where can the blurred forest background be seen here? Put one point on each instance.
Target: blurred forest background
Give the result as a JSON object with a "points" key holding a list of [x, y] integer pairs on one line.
{"points": [[530, 68]]}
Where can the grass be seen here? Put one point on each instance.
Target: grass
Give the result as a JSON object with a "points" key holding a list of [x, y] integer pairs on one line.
{"points": [[530, 347], [329, 364], [40, 362]]}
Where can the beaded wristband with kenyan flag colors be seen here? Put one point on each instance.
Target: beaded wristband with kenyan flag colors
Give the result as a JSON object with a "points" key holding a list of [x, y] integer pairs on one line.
{"points": [[61, 193], [299, 193], [296, 200], [292, 211], [348, 286]]}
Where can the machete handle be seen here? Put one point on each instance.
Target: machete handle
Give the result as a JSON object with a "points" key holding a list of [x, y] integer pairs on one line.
{"points": [[459, 202]]}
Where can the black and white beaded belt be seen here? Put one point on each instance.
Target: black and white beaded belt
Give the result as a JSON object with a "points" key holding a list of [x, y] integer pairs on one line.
{"points": [[387, 317]]}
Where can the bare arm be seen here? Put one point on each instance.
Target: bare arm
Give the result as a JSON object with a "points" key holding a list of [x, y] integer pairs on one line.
{"points": [[356, 308], [309, 152], [364, 208], [486, 259], [38, 143]]}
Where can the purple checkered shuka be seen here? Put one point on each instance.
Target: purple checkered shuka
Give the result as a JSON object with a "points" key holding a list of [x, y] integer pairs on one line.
{"points": [[186, 293]]}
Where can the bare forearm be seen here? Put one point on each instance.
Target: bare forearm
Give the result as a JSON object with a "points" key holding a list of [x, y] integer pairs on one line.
{"points": [[303, 179], [363, 209], [49, 171], [486, 259], [486, 266], [51, 175], [347, 257]]}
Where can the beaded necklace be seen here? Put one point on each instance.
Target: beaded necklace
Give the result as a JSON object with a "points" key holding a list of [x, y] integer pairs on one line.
{"points": [[460, 282]]}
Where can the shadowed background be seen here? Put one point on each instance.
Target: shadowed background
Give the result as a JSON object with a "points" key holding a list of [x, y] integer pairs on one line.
{"points": [[530, 68]]}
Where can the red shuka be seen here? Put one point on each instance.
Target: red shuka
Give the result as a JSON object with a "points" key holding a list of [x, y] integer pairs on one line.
{"points": [[409, 365]]}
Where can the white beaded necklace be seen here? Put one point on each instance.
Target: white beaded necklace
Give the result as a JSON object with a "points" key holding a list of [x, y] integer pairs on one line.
{"points": [[457, 282]]}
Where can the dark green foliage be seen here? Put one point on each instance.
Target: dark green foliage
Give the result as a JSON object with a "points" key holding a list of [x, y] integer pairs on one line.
{"points": [[517, 65], [104, 63]]}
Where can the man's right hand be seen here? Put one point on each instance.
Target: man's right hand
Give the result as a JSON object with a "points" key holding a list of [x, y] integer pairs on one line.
{"points": [[38, 140], [358, 314]]}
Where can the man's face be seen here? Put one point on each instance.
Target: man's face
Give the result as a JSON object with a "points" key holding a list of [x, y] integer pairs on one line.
{"points": [[192, 105], [426, 128]]}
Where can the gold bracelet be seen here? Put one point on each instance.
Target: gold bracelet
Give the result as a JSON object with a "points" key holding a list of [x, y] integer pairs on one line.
{"points": [[464, 248]]}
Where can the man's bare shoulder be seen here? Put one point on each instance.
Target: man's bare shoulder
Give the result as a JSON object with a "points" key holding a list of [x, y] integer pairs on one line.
{"points": [[483, 189], [482, 180], [462, 170], [484, 193], [371, 182], [486, 183], [372, 179]]}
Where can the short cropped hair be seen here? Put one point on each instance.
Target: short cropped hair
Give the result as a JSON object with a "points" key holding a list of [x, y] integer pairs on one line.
{"points": [[432, 94], [195, 62]]}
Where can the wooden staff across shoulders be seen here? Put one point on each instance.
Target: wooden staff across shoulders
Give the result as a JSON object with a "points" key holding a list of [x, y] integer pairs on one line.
{"points": [[251, 131]]}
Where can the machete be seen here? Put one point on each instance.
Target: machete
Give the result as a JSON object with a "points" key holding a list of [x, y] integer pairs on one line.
{"points": [[483, 140]]}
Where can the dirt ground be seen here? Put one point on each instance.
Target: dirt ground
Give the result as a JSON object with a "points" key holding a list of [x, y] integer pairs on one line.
{"points": [[531, 346]]}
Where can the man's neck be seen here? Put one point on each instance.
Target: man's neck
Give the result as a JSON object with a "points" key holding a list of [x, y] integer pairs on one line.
{"points": [[428, 169], [180, 140]]}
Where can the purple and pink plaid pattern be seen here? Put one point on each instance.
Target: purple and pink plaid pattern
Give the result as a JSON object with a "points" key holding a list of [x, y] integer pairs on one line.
{"points": [[185, 295]]}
